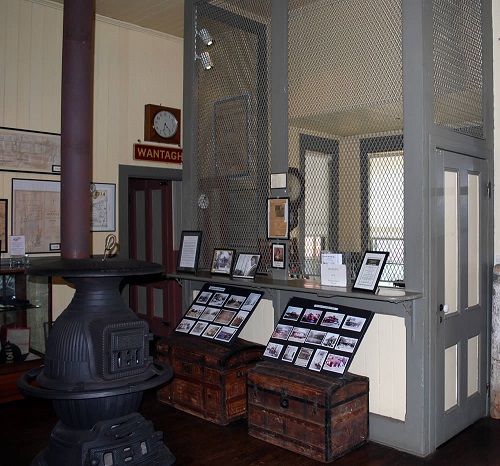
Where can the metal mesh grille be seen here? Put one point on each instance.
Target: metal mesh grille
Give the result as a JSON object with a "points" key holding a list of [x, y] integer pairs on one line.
{"points": [[346, 123], [458, 77], [233, 127]]}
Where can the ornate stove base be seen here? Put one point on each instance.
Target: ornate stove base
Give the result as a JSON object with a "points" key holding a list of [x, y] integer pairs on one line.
{"points": [[128, 440]]}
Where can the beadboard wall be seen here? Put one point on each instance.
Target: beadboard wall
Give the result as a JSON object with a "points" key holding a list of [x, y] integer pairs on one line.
{"points": [[132, 67]]}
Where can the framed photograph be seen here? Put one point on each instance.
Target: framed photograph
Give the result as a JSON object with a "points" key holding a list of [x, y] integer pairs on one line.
{"points": [[222, 261], [246, 265], [278, 218], [278, 256], [189, 251], [36, 212], [103, 207], [3, 224], [370, 271]]}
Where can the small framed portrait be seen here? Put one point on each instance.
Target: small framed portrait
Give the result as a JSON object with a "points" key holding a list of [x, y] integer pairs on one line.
{"points": [[278, 256], [246, 265], [222, 261]]}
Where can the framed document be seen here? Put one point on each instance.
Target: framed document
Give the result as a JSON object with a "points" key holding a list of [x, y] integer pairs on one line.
{"points": [[370, 271], [278, 215], [189, 251], [103, 207], [3, 224], [36, 214], [246, 265], [222, 261]]}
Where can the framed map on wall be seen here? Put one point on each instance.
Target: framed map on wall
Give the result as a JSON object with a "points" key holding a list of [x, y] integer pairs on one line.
{"points": [[36, 214]]}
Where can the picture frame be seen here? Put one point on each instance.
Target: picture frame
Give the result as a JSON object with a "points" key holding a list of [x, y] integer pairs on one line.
{"points": [[278, 218], [36, 212], [189, 251], [103, 208], [246, 265], [370, 271], [30, 151], [278, 256], [222, 261], [4, 204]]}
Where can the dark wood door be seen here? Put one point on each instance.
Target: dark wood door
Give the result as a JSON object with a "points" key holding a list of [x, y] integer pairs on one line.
{"points": [[151, 239]]}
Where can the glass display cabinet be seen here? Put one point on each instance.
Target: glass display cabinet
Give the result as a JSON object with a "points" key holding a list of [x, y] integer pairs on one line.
{"points": [[25, 320]]}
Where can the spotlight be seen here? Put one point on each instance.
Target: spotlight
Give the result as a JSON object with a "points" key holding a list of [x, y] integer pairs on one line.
{"points": [[206, 61], [206, 37]]}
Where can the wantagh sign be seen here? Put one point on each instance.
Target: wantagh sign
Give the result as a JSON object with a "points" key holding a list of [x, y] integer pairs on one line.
{"points": [[157, 153]]}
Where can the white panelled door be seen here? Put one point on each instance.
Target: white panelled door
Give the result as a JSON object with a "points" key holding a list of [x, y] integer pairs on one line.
{"points": [[459, 249]]}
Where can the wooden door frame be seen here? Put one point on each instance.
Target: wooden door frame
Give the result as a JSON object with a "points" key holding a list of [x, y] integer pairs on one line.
{"points": [[125, 172]]}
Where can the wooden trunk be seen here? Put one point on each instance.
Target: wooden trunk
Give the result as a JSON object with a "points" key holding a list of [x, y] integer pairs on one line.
{"points": [[209, 378], [316, 415]]}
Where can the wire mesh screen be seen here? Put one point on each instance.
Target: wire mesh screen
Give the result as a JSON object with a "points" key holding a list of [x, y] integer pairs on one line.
{"points": [[345, 132], [233, 118], [458, 76]]}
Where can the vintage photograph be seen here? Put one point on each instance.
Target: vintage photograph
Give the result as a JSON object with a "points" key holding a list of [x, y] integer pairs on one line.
{"points": [[204, 297], [318, 360], [273, 350], [218, 299], [278, 256], [185, 325], [195, 311], [332, 319], [239, 319], [346, 344], [330, 340], [290, 352], [210, 313], [354, 323], [224, 317], [292, 313], [311, 316], [304, 356], [222, 261], [211, 331], [225, 334], [315, 337], [246, 265], [298, 334], [251, 301], [235, 302], [281, 332], [198, 328], [335, 363]]}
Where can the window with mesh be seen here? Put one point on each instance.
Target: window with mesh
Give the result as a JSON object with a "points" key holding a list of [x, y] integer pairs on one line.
{"points": [[345, 132], [458, 66]]}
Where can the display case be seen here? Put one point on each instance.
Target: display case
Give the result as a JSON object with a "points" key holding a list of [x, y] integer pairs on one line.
{"points": [[25, 319]]}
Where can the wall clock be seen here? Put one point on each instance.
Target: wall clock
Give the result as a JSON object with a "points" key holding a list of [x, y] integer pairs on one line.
{"points": [[162, 124], [295, 187]]}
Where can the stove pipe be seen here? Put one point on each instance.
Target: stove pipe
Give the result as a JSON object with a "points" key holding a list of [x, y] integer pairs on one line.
{"points": [[76, 127]]}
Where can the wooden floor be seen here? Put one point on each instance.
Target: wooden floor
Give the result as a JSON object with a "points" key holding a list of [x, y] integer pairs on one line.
{"points": [[25, 428]]}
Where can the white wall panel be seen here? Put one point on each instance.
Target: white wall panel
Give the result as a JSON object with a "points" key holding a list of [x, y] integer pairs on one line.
{"points": [[132, 67]]}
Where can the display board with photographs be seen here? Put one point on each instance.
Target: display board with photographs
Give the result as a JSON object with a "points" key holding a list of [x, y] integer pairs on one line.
{"points": [[320, 337], [219, 312]]}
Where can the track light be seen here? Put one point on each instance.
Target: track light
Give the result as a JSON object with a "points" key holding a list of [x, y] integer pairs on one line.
{"points": [[206, 37], [206, 61]]}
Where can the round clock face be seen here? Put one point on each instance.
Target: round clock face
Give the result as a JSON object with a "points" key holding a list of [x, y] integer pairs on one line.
{"points": [[165, 124]]}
